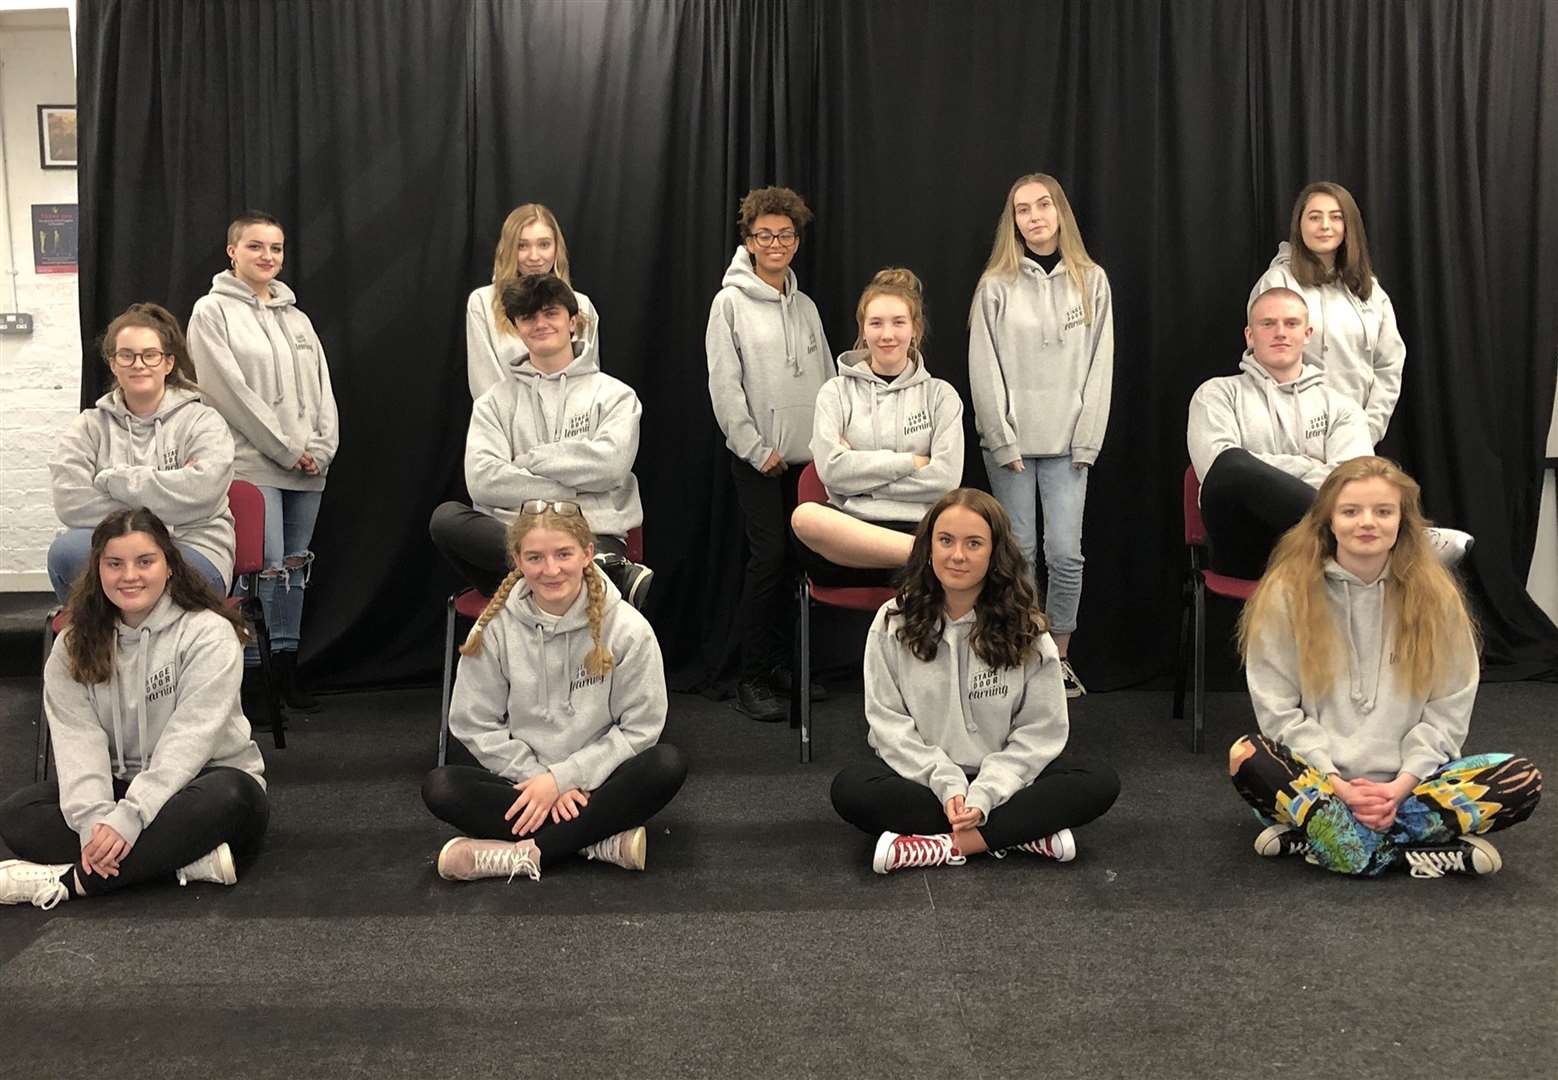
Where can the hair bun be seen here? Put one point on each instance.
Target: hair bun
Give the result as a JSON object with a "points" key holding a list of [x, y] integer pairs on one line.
{"points": [[898, 277]]}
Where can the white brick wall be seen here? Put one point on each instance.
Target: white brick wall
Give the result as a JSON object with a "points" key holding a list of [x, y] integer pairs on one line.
{"points": [[40, 375]]}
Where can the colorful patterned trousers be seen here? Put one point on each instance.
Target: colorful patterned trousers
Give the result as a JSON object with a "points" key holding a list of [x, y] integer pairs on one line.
{"points": [[1478, 794]]}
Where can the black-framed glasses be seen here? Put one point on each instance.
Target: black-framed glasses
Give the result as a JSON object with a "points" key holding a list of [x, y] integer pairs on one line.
{"points": [[560, 507], [126, 358], [765, 238]]}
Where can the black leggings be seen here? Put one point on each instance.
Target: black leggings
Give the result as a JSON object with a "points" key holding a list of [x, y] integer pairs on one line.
{"points": [[475, 544], [1247, 506], [218, 805], [474, 800], [1071, 791]]}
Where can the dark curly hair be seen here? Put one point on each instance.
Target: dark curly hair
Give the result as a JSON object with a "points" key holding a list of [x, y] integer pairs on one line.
{"points": [[89, 642], [773, 200], [1007, 619]]}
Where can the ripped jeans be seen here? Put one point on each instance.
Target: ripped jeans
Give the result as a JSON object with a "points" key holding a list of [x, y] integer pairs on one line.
{"points": [[289, 528]]}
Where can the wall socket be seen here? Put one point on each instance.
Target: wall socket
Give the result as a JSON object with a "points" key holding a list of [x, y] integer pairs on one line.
{"points": [[15, 322]]}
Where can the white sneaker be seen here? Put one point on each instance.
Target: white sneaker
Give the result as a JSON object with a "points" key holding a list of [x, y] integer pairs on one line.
{"points": [[1466, 855], [1068, 676], [1062, 847], [464, 859], [1277, 840], [1451, 545], [215, 866], [895, 851], [626, 849], [40, 884]]}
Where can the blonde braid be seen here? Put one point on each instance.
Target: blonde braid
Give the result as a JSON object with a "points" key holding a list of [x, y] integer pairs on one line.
{"points": [[472, 646], [600, 660]]}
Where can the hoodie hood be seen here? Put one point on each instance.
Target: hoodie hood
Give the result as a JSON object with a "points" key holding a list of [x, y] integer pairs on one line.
{"points": [[226, 284], [856, 364], [740, 275]]}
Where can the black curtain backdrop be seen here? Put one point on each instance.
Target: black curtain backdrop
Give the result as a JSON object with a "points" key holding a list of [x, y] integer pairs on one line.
{"points": [[393, 138]]}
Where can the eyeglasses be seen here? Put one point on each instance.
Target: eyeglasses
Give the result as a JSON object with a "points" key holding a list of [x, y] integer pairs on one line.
{"points": [[150, 357], [558, 507], [765, 238]]}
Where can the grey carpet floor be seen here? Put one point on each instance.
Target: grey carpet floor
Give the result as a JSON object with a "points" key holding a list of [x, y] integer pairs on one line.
{"points": [[760, 944]]}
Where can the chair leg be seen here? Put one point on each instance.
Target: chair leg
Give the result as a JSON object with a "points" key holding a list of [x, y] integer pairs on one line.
{"points": [[1198, 689], [1181, 670], [40, 769], [278, 719], [801, 686], [443, 727]]}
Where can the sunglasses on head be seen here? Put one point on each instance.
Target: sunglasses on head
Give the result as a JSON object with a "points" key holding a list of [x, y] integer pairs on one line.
{"points": [[558, 506]]}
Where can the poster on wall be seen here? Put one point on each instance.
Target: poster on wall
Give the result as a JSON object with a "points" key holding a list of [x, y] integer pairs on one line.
{"points": [[54, 233], [57, 136]]}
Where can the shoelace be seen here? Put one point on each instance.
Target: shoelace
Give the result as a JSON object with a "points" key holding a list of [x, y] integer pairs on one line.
{"points": [[1435, 864], [512, 858], [46, 895], [924, 851]]}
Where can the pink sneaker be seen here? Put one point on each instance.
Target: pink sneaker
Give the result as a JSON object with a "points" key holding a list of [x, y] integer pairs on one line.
{"points": [[895, 851], [464, 859], [1061, 847]]}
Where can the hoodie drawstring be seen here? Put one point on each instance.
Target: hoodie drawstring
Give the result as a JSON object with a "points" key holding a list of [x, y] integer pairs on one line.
{"points": [[143, 639], [546, 686], [297, 371], [1364, 702]]}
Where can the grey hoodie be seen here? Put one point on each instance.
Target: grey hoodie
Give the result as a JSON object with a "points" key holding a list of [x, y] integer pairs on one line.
{"points": [[768, 358], [489, 354], [939, 723], [1355, 342], [1369, 723], [886, 424], [1041, 378], [572, 435], [177, 463], [169, 709], [524, 704], [263, 368], [1302, 427]]}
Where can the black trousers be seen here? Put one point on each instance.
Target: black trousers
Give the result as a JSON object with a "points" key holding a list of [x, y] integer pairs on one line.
{"points": [[475, 545], [218, 805], [765, 615], [1071, 791], [474, 800], [1247, 506]]}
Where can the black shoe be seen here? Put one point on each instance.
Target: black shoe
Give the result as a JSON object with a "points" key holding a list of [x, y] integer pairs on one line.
{"points": [[781, 681], [292, 693], [631, 579], [254, 699], [756, 698]]}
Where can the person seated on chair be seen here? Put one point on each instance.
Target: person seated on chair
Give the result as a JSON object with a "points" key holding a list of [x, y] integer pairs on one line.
{"points": [[149, 442], [1261, 442], [768, 359], [560, 696], [887, 441], [157, 776], [967, 707], [557, 428], [1362, 665]]}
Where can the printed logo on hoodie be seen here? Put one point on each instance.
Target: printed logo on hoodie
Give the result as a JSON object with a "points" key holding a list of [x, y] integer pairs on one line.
{"points": [[1316, 426], [919, 420], [159, 684], [583, 679], [812, 347], [578, 424], [987, 684], [300, 339], [1073, 316], [170, 459]]}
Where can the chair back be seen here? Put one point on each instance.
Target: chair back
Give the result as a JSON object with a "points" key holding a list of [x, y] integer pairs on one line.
{"points": [[1195, 528], [636, 543], [248, 507], [809, 488]]}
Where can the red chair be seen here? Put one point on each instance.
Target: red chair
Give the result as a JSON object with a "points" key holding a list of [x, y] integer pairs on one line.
{"points": [[248, 509], [468, 604], [1192, 623], [854, 598]]}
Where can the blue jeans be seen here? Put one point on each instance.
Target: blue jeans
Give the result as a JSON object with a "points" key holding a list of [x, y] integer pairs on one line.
{"points": [[289, 529], [68, 557], [1061, 490]]}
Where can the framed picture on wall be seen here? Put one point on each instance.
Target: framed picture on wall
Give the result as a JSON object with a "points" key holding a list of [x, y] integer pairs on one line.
{"points": [[57, 136]]}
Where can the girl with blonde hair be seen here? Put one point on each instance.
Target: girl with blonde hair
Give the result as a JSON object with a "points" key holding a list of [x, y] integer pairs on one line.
{"points": [[531, 242], [887, 439], [560, 697], [1041, 368], [1361, 659], [1356, 341]]}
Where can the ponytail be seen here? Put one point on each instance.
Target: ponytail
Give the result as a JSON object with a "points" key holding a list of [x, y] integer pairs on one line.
{"points": [[600, 660]]}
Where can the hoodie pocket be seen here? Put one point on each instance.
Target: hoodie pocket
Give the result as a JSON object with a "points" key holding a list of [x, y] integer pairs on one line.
{"points": [[789, 431]]}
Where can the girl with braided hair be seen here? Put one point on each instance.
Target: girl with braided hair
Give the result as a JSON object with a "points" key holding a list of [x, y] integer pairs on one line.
{"points": [[560, 697]]}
